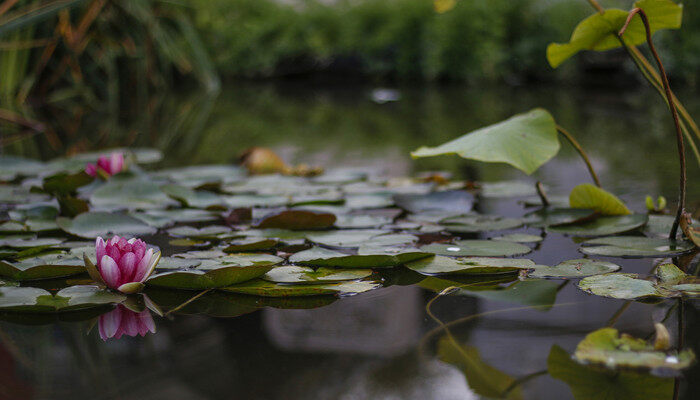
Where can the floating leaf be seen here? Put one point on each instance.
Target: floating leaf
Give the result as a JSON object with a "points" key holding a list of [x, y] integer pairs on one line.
{"points": [[574, 269], [368, 257], [480, 223], [455, 201], [506, 189], [469, 265], [27, 299], [259, 287], [557, 216], [297, 274], [635, 246], [193, 198], [608, 348], [621, 286], [42, 267], [603, 226], [297, 220], [210, 232], [93, 224], [519, 238], [599, 31], [356, 237], [130, 193], [479, 248], [198, 175], [251, 244], [13, 166], [254, 200], [594, 383], [218, 272], [525, 141], [367, 201], [591, 197]]}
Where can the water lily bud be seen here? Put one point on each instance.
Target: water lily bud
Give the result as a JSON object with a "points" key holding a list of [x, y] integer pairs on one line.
{"points": [[106, 166], [122, 264], [663, 339]]}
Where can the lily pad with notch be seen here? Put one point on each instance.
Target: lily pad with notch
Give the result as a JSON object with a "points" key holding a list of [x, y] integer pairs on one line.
{"points": [[573, 269], [635, 246], [480, 223], [478, 248], [439, 265], [298, 274], [603, 226]]}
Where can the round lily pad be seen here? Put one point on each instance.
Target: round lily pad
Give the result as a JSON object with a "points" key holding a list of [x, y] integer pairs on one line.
{"points": [[480, 223], [259, 287], [603, 226], [519, 238], [130, 193], [351, 238], [28, 299], [574, 269], [93, 224], [469, 265], [297, 220], [367, 257], [549, 216], [251, 244], [635, 246], [620, 286], [479, 248], [297, 274], [42, 267], [207, 232]]}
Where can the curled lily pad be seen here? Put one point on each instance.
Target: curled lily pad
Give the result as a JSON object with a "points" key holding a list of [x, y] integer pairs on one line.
{"points": [[519, 238], [591, 197], [28, 299], [635, 246], [42, 267], [603, 226], [297, 274], [297, 220], [469, 265], [574, 269], [608, 348], [93, 224], [479, 248], [259, 287], [368, 257], [218, 272], [480, 223], [548, 216]]}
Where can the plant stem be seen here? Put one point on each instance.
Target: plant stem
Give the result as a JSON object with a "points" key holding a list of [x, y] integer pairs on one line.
{"points": [[597, 6], [674, 114], [581, 152]]}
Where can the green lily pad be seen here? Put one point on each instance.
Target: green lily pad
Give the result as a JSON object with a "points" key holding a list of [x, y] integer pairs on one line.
{"points": [[297, 220], [13, 166], [455, 201], [297, 274], [93, 224], [438, 265], [362, 221], [591, 197], [539, 293], [355, 237], [211, 232], [519, 238], [478, 248], [525, 141], [259, 287], [590, 382], [215, 303], [198, 175], [165, 218], [251, 244], [254, 200], [172, 263], [216, 273], [367, 257], [635, 246], [130, 193], [28, 299], [480, 223], [608, 348], [193, 198], [557, 216], [42, 267], [603, 226], [367, 201], [621, 286], [507, 189], [23, 243], [574, 269]]}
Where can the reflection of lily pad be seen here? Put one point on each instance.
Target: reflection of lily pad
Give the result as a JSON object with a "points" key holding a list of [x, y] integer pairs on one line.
{"points": [[607, 347], [478, 248], [635, 246], [297, 220], [603, 226], [480, 223], [259, 287], [27, 299], [594, 383], [93, 224], [574, 269], [297, 274], [469, 265], [219, 272]]}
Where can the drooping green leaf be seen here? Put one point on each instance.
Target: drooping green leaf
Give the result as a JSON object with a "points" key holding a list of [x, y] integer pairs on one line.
{"points": [[93, 224], [525, 141], [599, 31], [469, 265], [591, 197], [478, 248]]}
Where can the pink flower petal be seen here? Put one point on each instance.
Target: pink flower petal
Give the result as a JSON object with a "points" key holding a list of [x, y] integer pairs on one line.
{"points": [[113, 251], [116, 163], [143, 269], [127, 267], [109, 271], [108, 324], [91, 169], [100, 248]]}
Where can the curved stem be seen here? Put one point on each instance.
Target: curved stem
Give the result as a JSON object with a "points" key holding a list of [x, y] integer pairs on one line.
{"points": [[521, 380], [674, 114], [581, 152], [597, 6]]}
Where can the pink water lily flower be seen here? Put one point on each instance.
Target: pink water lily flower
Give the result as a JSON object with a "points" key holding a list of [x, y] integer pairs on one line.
{"points": [[106, 166], [122, 321], [122, 264]]}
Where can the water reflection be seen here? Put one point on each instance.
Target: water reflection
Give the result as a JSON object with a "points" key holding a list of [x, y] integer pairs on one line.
{"points": [[123, 321]]}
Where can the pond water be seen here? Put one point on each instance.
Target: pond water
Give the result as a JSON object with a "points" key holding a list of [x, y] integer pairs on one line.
{"points": [[492, 337]]}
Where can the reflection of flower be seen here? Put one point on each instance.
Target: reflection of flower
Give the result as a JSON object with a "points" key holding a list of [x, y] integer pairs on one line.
{"points": [[122, 264], [122, 321], [106, 166]]}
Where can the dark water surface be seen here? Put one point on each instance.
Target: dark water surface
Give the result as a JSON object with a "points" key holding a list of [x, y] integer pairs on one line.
{"points": [[381, 344]]}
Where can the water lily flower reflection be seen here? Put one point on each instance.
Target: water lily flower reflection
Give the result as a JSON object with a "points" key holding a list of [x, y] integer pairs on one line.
{"points": [[106, 166], [122, 321], [122, 264]]}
